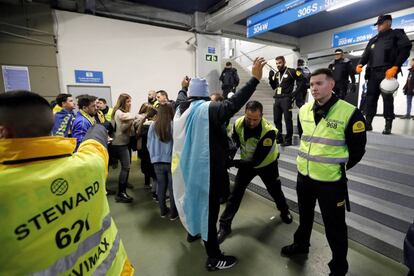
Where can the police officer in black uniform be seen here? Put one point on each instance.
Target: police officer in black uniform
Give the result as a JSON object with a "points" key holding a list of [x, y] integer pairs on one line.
{"points": [[283, 83], [342, 70], [301, 97], [384, 54]]}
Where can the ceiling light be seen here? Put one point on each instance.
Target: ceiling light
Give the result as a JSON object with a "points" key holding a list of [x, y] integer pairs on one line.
{"points": [[342, 4]]}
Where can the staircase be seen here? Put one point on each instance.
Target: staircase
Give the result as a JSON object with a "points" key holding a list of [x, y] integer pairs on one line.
{"points": [[381, 186], [264, 95]]}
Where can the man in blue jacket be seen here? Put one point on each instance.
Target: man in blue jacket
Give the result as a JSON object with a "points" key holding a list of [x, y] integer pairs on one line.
{"points": [[64, 118], [84, 118]]}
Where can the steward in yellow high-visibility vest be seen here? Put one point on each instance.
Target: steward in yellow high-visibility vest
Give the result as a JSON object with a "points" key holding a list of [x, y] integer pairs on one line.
{"points": [[259, 152], [53, 203], [333, 139]]}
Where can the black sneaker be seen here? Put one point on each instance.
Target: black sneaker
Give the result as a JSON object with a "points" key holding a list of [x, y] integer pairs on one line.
{"points": [[173, 216], [191, 238], [154, 196], [222, 234], [286, 217], [287, 144], [165, 213], [123, 198], [294, 249], [220, 263]]}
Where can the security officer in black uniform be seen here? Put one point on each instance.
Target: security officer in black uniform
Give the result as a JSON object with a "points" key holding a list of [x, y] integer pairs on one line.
{"points": [[259, 152], [301, 97], [342, 69], [333, 140], [384, 54], [283, 83]]}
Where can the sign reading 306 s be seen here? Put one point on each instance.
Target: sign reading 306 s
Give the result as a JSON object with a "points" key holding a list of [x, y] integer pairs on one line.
{"points": [[284, 13]]}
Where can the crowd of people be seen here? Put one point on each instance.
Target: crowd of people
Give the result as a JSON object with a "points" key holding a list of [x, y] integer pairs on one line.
{"points": [[185, 148]]}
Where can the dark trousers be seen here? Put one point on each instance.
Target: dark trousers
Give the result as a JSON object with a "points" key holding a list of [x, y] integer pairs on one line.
{"points": [[373, 92], [283, 105], [212, 245], [331, 199], [121, 153], [269, 176], [164, 182], [341, 89]]}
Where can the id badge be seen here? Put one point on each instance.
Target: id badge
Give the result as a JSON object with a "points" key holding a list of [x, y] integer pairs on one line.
{"points": [[279, 90]]}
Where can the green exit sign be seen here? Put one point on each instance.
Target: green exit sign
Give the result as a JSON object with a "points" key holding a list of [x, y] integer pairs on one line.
{"points": [[212, 58]]}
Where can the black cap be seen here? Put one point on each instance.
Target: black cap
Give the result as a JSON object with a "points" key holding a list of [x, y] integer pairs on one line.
{"points": [[382, 18], [339, 51]]}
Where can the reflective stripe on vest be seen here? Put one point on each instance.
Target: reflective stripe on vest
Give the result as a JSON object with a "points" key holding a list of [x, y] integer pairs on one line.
{"points": [[322, 147], [247, 148]]}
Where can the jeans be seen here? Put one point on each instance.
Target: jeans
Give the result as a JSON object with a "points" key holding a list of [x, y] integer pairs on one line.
{"points": [[409, 103], [122, 153], [164, 181]]}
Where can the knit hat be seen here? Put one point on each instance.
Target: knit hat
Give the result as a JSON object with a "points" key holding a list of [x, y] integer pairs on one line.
{"points": [[198, 88]]}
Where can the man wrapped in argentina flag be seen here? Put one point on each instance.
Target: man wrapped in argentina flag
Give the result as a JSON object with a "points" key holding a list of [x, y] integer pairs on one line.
{"points": [[199, 160]]}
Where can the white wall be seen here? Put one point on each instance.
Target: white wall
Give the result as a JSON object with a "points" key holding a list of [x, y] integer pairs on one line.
{"points": [[134, 58]]}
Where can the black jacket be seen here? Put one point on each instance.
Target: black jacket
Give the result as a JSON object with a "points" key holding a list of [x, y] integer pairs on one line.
{"points": [[287, 83], [355, 141], [409, 85], [387, 49], [219, 113], [229, 77], [342, 70], [181, 97]]}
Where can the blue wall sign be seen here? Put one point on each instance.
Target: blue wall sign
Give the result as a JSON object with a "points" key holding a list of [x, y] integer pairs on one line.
{"points": [[211, 50], [88, 76], [16, 78], [284, 13], [365, 33]]}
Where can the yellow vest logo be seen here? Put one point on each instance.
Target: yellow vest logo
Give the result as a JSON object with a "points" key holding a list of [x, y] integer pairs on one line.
{"points": [[267, 142], [298, 73], [340, 204], [358, 127], [59, 186]]}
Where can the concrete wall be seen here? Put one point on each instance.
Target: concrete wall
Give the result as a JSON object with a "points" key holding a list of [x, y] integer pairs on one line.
{"points": [[134, 58], [209, 70], [39, 57]]}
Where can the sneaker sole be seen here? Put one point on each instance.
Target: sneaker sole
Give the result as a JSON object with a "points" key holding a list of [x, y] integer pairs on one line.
{"points": [[211, 269]]}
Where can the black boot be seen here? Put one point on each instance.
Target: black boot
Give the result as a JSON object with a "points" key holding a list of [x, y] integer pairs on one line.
{"points": [[388, 126], [368, 126]]}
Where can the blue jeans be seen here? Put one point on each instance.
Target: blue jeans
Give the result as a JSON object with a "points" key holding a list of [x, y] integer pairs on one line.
{"points": [[409, 103], [164, 182], [121, 153]]}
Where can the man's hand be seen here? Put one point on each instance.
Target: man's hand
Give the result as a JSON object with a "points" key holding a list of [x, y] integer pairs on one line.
{"points": [[257, 69], [185, 82], [390, 73], [358, 68]]}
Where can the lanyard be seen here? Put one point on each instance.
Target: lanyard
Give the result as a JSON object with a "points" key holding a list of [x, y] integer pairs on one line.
{"points": [[281, 77]]}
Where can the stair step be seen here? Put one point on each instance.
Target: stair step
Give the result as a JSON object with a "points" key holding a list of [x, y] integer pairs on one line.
{"points": [[381, 238]]}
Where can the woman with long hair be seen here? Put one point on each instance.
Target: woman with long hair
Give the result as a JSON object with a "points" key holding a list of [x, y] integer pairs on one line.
{"points": [[160, 145], [122, 123]]}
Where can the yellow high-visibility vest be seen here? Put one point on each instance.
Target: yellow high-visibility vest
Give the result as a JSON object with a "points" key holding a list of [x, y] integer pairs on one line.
{"points": [[247, 148], [54, 211], [322, 147]]}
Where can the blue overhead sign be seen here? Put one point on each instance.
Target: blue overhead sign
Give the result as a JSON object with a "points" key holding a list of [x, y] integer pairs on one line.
{"points": [[284, 13], [88, 76], [365, 33]]}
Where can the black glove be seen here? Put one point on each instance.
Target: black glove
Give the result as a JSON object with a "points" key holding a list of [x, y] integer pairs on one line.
{"points": [[271, 74]]}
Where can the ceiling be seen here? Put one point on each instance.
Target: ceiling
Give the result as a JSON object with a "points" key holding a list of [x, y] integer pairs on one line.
{"points": [[187, 6]]}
